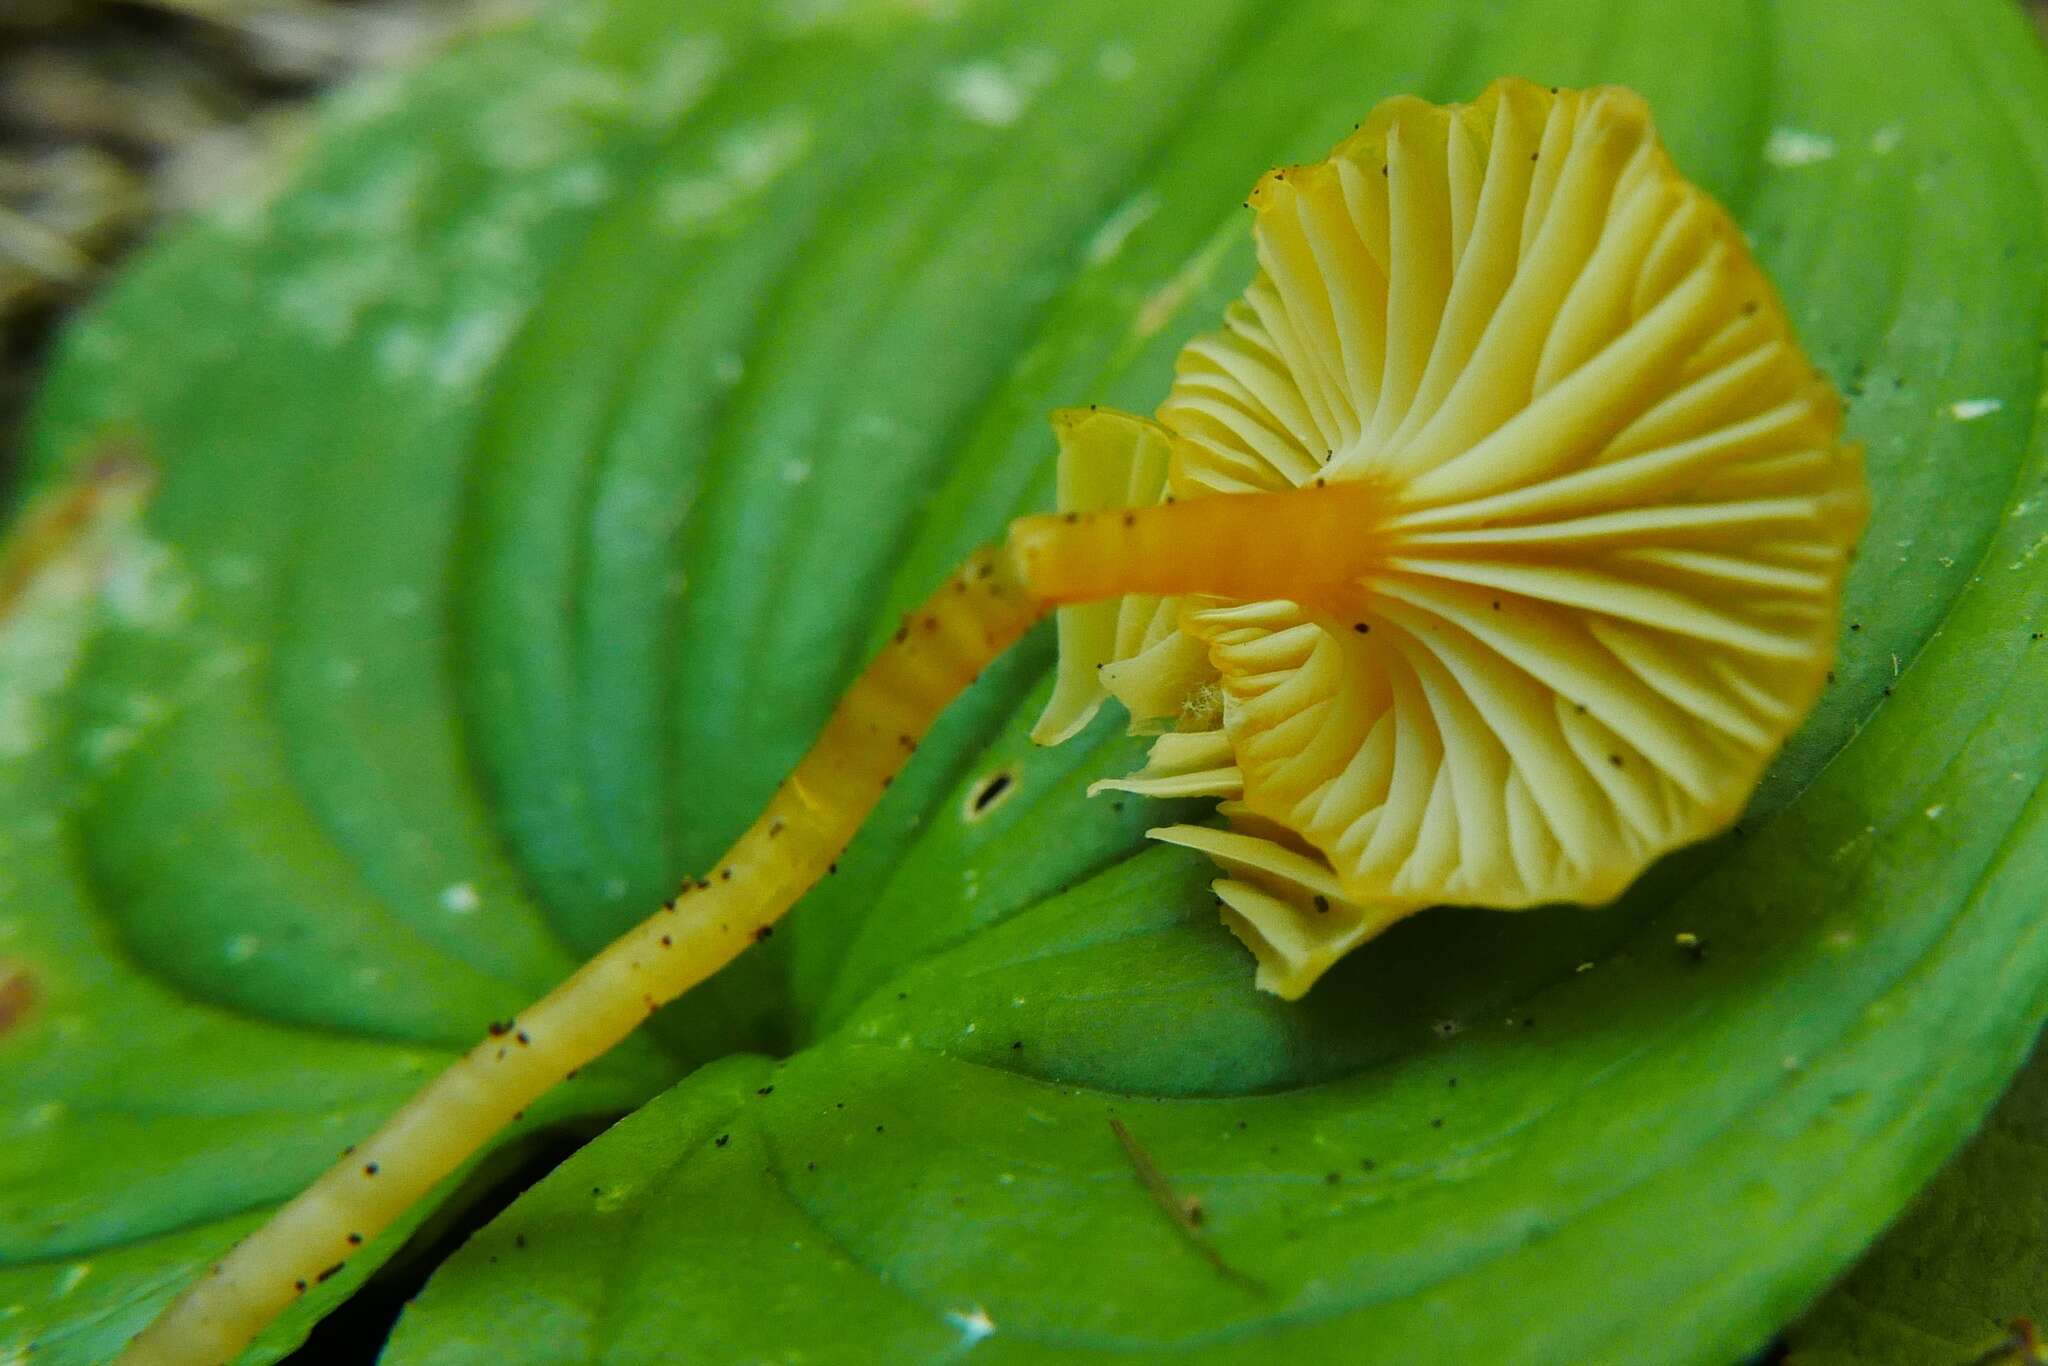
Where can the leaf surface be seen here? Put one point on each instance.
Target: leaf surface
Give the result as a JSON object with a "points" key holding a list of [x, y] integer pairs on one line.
{"points": [[539, 462], [1960, 1265]]}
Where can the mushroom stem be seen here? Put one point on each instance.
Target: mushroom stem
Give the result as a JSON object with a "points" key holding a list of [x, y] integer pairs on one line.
{"points": [[1300, 544], [935, 654], [1257, 545]]}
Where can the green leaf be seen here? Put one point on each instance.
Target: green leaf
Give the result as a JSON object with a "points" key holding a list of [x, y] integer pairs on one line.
{"points": [[536, 466], [1964, 1261]]}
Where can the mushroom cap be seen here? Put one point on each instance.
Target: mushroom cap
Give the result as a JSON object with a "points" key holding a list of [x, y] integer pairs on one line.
{"points": [[1618, 511]]}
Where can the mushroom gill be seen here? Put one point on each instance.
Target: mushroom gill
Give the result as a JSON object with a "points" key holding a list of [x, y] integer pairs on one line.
{"points": [[1614, 514]]}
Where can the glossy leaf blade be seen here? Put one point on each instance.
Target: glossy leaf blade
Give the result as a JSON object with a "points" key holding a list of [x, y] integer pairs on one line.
{"points": [[535, 467]]}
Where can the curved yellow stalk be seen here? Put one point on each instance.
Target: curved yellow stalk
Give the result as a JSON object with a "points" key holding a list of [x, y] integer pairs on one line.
{"points": [[935, 655], [1310, 544]]}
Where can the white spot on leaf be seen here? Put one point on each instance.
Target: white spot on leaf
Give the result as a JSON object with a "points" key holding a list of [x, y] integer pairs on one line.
{"points": [[974, 1325], [145, 587], [231, 570], [680, 77], [19, 732], [1109, 239], [558, 115], [997, 94], [584, 182], [744, 162], [469, 346], [1793, 147], [102, 745], [1970, 409], [875, 426], [1115, 62]]}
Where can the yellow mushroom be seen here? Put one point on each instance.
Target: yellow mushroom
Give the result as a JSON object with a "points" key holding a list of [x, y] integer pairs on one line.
{"points": [[1489, 551], [1612, 512]]}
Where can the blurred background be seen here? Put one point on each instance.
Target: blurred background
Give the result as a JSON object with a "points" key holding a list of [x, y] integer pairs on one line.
{"points": [[118, 114]]}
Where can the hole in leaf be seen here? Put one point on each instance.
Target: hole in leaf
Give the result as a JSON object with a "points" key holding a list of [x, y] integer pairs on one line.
{"points": [[986, 795]]}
